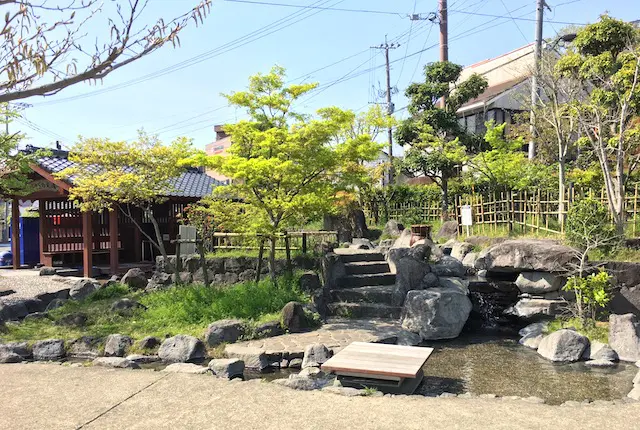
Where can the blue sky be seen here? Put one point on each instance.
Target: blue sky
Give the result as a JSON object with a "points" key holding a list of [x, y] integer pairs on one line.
{"points": [[187, 102]]}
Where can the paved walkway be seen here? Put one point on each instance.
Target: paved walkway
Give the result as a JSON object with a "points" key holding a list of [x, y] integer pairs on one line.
{"points": [[48, 396], [336, 334]]}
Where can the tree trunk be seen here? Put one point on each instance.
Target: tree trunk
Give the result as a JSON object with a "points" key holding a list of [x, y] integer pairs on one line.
{"points": [[156, 229], [445, 199], [158, 242], [561, 190], [272, 260]]}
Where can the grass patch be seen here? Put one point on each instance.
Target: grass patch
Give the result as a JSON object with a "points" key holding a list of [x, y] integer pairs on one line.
{"points": [[618, 254], [598, 331], [179, 310]]}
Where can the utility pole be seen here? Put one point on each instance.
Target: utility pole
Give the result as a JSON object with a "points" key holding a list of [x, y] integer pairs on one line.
{"points": [[444, 31], [390, 107], [535, 91]]}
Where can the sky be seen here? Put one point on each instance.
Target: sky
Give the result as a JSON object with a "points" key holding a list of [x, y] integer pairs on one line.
{"points": [[331, 47]]}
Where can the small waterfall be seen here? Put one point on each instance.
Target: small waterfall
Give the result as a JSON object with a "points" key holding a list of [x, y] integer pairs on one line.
{"points": [[489, 300]]}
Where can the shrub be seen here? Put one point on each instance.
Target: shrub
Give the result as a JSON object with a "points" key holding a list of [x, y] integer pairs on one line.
{"points": [[592, 293], [589, 226]]}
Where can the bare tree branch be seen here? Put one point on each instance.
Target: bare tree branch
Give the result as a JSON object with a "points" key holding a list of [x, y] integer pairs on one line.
{"points": [[37, 58]]}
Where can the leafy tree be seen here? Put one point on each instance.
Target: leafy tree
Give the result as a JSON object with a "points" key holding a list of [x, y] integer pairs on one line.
{"points": [[14, 164], [504, 166], [437, 141], [121, 175], [44, 48], [554, 113], [284, 165], [605, 60]]}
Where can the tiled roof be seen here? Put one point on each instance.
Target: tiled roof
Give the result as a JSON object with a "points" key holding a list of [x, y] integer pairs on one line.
{"points": [[192, 183]]}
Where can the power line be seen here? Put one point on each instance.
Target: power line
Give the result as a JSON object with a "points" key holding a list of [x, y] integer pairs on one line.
{"points": [[420, 57], [515, 18], [337, 9], [406, 51], [514, 21], [253, 36]]}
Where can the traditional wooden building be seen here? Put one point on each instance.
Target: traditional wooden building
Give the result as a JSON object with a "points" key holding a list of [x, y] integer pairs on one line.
{"points": [[69, 237]]}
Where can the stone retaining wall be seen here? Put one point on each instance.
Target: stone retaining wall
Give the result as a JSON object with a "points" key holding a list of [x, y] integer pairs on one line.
{"points": [[220, 270]]}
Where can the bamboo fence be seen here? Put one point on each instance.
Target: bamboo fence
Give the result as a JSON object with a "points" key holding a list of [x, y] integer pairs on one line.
{"points": [[534, 212]]}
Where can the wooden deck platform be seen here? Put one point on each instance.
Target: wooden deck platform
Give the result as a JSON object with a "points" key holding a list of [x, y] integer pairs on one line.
{"points": [[391, 368]]}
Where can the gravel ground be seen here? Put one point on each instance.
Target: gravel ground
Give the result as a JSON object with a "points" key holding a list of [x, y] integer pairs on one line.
{"points": [[28, 283]]}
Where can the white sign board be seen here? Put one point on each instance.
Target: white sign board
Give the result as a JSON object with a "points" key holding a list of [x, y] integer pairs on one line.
{"points": [[467, 215]]}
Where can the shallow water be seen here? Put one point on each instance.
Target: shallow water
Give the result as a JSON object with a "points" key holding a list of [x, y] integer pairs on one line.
{"points": [[494, 365]]}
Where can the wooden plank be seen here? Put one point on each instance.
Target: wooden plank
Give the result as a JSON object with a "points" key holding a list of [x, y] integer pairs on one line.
{"points": [[378, 359]]}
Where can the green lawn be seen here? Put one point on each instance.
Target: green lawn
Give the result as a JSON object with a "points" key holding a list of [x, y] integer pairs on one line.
{"points": [[178, 310]]}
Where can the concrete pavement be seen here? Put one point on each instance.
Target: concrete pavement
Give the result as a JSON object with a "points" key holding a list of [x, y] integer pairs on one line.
{"points": [[49, 396]]}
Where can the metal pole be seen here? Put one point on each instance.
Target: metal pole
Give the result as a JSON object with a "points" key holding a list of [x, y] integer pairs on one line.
{"points": [[389, 111], [444, 35], [535, 91]]}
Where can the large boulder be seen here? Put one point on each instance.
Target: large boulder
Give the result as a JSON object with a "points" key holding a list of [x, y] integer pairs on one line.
{"points": [[459, 284], [436, 313], [126, 306], [624, 336], [526, 255], [116, 362], [85, 347], [182, 349], [293, 318], [82, 288], [449, 266], [535, 309], [224, 331], [149, 342], [315, 355], [538, 282], [410, 265], [135, 279], [459, 250], [50, 349], [392, 228], [563, 346], [253, 358], [448, 230], [117, 345], [227, 368], [469, 260], [21, 349], [309, 282], [14, 310], [600, 351]]}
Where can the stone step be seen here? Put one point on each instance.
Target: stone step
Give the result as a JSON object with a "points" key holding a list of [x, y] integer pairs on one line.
{"points": [[355, 281], [369, 294], [367, 267], [357, 255], [364, 310]]}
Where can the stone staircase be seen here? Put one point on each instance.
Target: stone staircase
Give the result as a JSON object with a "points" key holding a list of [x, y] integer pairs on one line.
{"points": [[367, 289]]}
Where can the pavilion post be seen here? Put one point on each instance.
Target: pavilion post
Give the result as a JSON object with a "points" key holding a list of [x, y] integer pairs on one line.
{"points": [[113, 241], [137, 237], [44, 234], [15, 232], [87, 239]]}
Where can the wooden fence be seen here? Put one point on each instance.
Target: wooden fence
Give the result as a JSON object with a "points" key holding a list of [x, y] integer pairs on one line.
{"points": [[524, 211]]}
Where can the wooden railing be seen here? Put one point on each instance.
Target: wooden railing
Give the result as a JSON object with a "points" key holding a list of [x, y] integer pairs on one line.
{"points": [[296, 241]]}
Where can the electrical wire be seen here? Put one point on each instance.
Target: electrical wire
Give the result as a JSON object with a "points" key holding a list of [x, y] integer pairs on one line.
{"points": [[381, 12], [253, 36]]}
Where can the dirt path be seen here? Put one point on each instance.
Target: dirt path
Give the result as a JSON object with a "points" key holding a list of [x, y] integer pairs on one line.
{"points": [[59, 397]]}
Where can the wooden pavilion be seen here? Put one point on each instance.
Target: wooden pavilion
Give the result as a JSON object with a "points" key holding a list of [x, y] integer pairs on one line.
{"points": [[68, 236]]}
